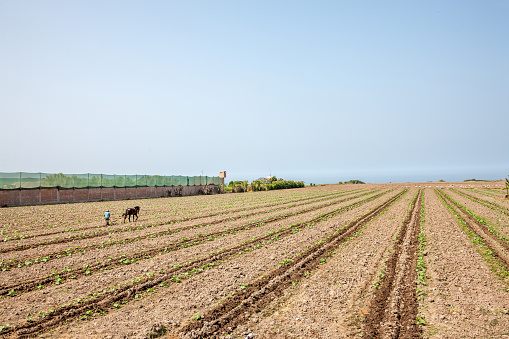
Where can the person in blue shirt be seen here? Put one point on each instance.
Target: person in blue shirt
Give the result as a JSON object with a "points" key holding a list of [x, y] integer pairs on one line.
{"points": [[107, 217]]}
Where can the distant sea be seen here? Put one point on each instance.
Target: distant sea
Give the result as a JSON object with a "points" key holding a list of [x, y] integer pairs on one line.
{"points": [[396, 176], [397, 179]]}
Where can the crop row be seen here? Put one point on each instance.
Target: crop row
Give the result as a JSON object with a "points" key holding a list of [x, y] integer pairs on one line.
{"points": [[491, 205], [104, 230], [489, 243], [100, 230], [256, 295], [107, 299], [23, 219], [394, 306], [77, 215], [21, 262], [59, 276]]}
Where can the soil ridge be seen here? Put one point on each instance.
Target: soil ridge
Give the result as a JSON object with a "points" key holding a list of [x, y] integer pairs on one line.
{"points": [[394, 306]]}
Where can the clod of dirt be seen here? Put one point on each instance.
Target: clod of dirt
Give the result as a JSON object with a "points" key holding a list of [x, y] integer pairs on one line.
{"points": [[156, 331]]}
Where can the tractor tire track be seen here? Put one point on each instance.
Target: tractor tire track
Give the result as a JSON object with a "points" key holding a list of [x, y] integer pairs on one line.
{"points": [[253, 298], [394, 306]]}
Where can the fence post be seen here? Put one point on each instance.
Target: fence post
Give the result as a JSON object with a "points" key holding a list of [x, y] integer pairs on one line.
{"points": [[20, 202]]}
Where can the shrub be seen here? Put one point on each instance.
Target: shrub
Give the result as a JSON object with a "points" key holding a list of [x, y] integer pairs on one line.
{"points": [[354, 182], [256, 185], [238, 189], [284, 184], [235, 183]]}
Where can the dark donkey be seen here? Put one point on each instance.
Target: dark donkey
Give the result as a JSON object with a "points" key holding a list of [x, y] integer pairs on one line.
{"points": [[131, 211]]}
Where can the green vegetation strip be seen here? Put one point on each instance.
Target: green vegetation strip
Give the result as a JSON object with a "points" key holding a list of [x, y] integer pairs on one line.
{"points": [[499, 193], [421, 263], [503, 240], [488, 254], [491, 205]]}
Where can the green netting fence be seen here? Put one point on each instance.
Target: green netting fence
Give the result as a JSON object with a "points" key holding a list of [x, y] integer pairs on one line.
{"points": [[21, 180]]}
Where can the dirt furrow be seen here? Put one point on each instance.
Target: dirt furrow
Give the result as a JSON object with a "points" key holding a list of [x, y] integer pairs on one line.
{"points": [[255, 296], [16, 222], [130, 291], [490, 192], [394, 307], [96, 234], [332, 300], [489, 204], [462, 298], [90, 268], [499, 247], [47, 254], [103, 230], [31, 303]]}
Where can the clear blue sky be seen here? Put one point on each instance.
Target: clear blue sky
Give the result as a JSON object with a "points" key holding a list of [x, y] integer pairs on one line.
{"points": [[320, 91]]}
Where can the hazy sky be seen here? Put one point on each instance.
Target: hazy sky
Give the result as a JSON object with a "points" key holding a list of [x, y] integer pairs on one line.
{"points": [[320, 91]]}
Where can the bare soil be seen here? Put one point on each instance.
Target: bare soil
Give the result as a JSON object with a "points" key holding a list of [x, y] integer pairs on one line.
{"points": [[337, 261]]}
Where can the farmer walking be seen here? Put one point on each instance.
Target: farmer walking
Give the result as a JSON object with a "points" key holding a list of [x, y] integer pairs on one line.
{"points": [[107, 217]]}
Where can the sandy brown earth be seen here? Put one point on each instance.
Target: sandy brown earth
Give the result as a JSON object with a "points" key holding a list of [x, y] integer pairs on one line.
{"points": [[465, 299], [336, 261]]}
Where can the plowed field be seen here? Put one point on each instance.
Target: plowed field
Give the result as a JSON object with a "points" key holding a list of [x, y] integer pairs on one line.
{"points": [[337, 261]]}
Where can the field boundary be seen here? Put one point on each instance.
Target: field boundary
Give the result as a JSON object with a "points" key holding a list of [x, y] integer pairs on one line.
{"points": [[44, 196]]}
